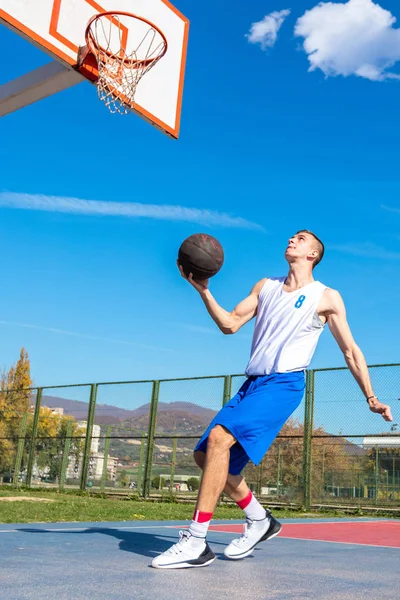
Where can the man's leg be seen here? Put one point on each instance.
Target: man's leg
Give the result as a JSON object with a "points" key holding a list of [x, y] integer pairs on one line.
{"points": [[260, 524], [237, 489], [235, 486], [215, 469], [213, 481], [192, 549]]}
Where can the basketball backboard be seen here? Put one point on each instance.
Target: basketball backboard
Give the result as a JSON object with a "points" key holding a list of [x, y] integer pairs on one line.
{"points": [[58, 28]]}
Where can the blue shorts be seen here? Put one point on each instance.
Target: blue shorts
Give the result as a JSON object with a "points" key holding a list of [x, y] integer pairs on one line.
{"points": [[256, 414]]}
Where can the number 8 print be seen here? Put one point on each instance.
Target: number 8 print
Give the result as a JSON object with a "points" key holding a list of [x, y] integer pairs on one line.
{"points": [[300, 301]]}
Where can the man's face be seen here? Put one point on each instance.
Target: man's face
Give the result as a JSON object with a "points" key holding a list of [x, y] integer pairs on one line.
{"points": [[300, 246]]}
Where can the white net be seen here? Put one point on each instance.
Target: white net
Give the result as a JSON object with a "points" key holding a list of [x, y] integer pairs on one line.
{"points": [[122, 66]]}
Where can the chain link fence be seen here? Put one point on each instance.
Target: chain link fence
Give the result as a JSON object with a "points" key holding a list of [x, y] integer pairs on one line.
{"points": [[138, 438]]}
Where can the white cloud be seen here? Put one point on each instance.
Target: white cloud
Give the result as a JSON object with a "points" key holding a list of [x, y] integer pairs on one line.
{"points": [[390, 209], [353, 38], [265, 32], [124, 209], [366, 249], [85, 336]]}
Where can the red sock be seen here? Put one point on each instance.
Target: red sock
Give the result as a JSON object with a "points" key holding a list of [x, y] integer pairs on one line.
{"points": [[202, 517], [200, 523], [246, 501], [252, 508]]}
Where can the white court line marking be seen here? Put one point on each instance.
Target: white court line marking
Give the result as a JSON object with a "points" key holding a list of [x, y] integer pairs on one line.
{"points": [[312, 523], [39, 530], [27, 525], [283, 537]]}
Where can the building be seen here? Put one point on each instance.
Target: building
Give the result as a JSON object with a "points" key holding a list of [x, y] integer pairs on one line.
{"points": [[96, 459], [96, 430]]}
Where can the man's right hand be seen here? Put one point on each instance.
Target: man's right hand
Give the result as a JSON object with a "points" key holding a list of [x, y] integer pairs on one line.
{"points": [[200, 286]]}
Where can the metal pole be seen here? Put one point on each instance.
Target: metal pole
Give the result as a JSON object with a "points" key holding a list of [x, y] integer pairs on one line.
{"points": [[278, 476], [308, 430], [376, 474], [259, 481], [105, 460], [227, 389], [173, 464], [31, 458], [150, 438], [89, 433], [65, 458], [323, 471], [20, 448], [141, 459]]}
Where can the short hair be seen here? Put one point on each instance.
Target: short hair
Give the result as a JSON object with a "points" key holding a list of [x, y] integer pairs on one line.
{"points": [[320, 246]]}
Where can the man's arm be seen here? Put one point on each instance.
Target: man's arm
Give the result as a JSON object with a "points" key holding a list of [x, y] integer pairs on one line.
{"points": [[228, 322], [332, 306], [231, 322]]}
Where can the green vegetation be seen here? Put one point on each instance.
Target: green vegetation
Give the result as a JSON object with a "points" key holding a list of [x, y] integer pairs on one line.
{"points": [[44, 506], [158, 482]]}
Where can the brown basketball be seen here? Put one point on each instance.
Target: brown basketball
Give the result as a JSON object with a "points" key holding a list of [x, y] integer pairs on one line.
{"points": [[202, 255]]}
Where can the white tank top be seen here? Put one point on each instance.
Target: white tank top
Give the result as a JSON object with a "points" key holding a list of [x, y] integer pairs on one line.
{"points": [[287, 328]]}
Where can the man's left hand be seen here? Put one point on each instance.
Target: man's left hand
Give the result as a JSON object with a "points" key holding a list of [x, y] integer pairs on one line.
{"points": [[382, 409]]}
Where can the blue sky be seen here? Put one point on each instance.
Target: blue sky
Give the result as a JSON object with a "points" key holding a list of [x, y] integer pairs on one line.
{"points": [[265, 143]]}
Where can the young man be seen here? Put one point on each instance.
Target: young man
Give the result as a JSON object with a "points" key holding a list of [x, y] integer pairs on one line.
{"points": [[291, 312]]}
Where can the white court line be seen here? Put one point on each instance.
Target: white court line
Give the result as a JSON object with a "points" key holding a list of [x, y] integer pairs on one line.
{"points": [[283, 537], [40, 530], [183, 525], [313, 523]]}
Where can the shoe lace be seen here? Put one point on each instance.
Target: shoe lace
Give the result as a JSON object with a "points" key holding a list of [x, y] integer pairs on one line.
{"points": [[177, 548], [245, 535]]}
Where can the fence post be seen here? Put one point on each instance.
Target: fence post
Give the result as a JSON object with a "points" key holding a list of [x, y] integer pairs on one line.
{"points": [[227, 394], [376, 473], [20, 448], [89, 433], [106, 453], [65, 457], [140, 467], [173, 463], [307, 444], [278, 473], [31, 458], [150, 438]]}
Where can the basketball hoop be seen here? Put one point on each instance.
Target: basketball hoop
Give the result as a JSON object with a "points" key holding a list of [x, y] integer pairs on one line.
{"points": [[120, 65]]}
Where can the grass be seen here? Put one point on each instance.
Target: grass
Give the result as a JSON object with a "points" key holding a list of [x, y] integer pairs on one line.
{"points": [[73, 506]]}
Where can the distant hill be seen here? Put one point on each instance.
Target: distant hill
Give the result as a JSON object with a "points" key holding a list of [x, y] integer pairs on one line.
{"points": [[174, 416]]}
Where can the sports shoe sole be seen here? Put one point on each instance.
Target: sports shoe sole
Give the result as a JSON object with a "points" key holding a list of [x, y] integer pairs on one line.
{"points": [[185, 565], [205, 559], [276, 526]]}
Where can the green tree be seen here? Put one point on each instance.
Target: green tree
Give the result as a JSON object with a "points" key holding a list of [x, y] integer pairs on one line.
{"points": [[193, 483], [50, 441], [123, 479], [158, 482], [15, 397], [282, 466]]}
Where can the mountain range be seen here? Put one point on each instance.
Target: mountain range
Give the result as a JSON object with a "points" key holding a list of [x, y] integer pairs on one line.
{"points": [[173, 416]]}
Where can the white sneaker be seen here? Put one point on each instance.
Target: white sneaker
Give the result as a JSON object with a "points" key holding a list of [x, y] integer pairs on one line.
{"points": [[254, 532], [189, 551]]}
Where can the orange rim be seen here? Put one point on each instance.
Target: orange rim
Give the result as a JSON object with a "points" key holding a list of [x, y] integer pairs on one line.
{"points": [[96, 49]]}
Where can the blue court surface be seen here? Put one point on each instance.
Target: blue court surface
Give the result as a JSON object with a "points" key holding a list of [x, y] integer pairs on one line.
{"points": [[352, 559]]}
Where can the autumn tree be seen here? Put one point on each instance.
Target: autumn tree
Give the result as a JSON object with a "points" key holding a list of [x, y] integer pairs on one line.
{"points": [[282, 466], [15, 398], [50, 441]]}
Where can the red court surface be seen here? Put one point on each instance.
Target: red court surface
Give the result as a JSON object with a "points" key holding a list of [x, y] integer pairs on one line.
{"points": [[366, 533]]}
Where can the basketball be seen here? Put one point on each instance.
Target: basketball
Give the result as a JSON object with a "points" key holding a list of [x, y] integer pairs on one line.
{"points": [[202, 255]]}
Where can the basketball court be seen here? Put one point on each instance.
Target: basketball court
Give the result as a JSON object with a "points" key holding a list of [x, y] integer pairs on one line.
{"points": [[134, 53], [350, 559]]}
